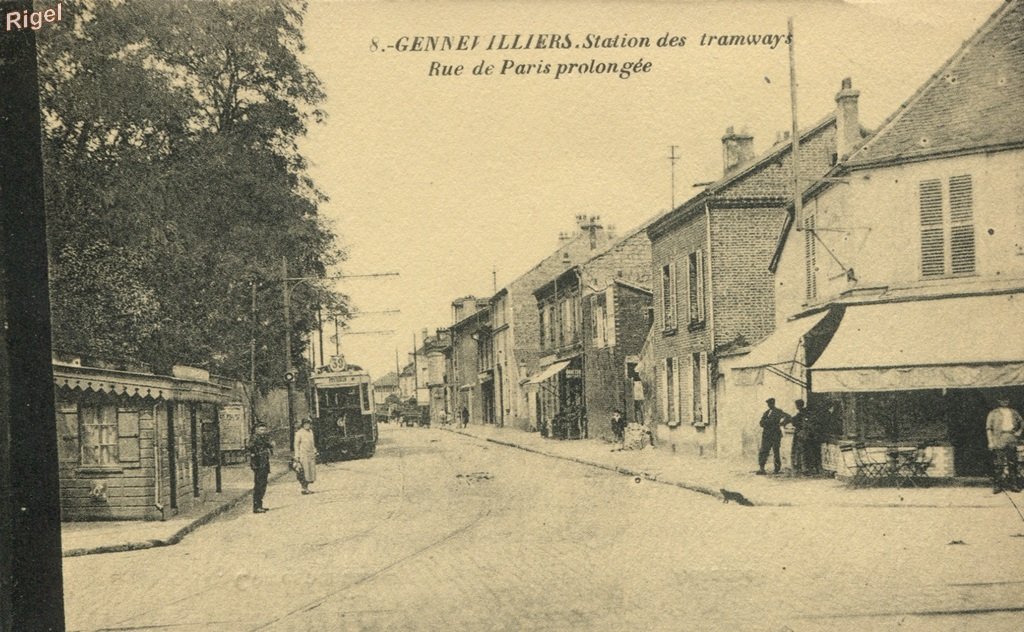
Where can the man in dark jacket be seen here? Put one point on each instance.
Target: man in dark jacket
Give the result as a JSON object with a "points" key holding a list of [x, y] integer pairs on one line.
{"points": [[771, 436], [260, 449]]}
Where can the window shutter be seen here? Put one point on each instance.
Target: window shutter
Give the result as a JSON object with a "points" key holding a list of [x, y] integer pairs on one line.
{"points": [[685, 381], [704, 390], [700, 285], [609, 315], [68, 449], [961, 216], [672, 296], [595, 336], [810, 259], [663, 390], [933, 256], [128, 435]]}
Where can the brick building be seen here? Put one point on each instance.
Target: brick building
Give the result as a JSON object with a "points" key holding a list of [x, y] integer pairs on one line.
{"points": [[712, 288], [470, 363], [592, 319], [515, 322]]}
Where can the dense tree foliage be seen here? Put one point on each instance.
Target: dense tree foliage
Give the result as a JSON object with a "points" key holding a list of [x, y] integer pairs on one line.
{"points": [[174, 182]]}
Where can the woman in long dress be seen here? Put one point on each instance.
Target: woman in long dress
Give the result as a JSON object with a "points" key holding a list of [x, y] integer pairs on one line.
{"points": [[305, 454]]}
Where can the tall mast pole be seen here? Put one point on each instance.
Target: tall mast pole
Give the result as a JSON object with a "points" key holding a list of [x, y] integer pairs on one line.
{"points": [[290, 379], [795, 158], [672, 158]]}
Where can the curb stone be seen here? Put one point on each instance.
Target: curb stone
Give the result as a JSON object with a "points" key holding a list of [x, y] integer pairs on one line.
{"points": [[173, 539], [693, 487]]}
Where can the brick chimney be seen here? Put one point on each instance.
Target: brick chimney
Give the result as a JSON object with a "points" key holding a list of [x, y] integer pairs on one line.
{"points": [[847, 119], [737, 149], [591, 227]]}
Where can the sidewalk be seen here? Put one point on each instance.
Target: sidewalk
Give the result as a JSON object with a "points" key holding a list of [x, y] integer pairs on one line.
{"points": [[711, 475], [87, 538]]}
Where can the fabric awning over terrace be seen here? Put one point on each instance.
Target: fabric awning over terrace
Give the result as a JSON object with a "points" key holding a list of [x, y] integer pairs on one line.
{"points": [[783, 346], [957, 342], [550, 370]]}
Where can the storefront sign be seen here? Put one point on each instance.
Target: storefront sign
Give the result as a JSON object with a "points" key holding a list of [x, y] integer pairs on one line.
{"points": [[232, 427], [574, 374]]}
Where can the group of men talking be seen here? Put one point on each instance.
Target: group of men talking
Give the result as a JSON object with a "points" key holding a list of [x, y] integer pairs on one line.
{"points": [[807, 437]]}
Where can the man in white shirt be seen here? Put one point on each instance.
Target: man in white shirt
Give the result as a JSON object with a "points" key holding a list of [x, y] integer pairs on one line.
{"points": [[1004, 427]]}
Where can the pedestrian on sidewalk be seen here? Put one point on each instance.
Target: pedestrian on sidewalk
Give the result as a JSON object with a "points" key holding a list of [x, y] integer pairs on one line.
{"points": [[1003, 427], [618, 426], [305, 454], [465, 417], [806, 453], [771, 436], [260, 449]]}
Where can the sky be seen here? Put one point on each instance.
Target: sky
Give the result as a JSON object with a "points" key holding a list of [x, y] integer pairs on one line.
{"points": [[460, 183]]}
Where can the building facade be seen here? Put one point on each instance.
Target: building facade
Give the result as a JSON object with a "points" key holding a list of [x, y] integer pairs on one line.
{"points": [[136, 445], [591, 317], [713, 291], [904, 289], [516, 323]]}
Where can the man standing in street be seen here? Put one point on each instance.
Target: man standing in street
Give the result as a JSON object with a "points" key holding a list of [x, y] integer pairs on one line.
{"points": [[1003, 427], [260, 449], [771, 436]]}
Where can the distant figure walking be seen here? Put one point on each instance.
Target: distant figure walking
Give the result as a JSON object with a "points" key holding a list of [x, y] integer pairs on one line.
{"points": [[771, 436], [260, 449], [618, 425], [465, 416], [305, 455], [1004, 427]]}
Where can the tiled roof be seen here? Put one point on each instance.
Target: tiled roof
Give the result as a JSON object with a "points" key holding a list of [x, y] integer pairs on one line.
{"points": [[972, 102]]}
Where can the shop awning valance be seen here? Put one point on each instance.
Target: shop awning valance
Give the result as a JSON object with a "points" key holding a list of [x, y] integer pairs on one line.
{"points": [[550, 370], [959, 342], [783, 346]]}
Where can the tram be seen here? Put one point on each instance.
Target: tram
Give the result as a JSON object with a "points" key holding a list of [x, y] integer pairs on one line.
{"points": [[344, 425]]}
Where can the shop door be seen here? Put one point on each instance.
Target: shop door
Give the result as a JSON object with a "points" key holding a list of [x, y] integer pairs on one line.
{"points": [[967, 415]]}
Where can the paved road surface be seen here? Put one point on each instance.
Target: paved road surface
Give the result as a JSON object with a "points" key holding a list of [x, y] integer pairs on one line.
{"points": [[444, 532]]}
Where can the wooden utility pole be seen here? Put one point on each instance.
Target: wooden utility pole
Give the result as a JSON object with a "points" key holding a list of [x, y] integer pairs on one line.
{"points": [[31, 586], [798, 218], [672, 158], [289, 372]]}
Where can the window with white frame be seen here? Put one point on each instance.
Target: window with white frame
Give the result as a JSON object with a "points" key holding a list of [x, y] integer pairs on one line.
{"points": [[947, 226], [668, 296], [98, 434], [695, 295]]}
